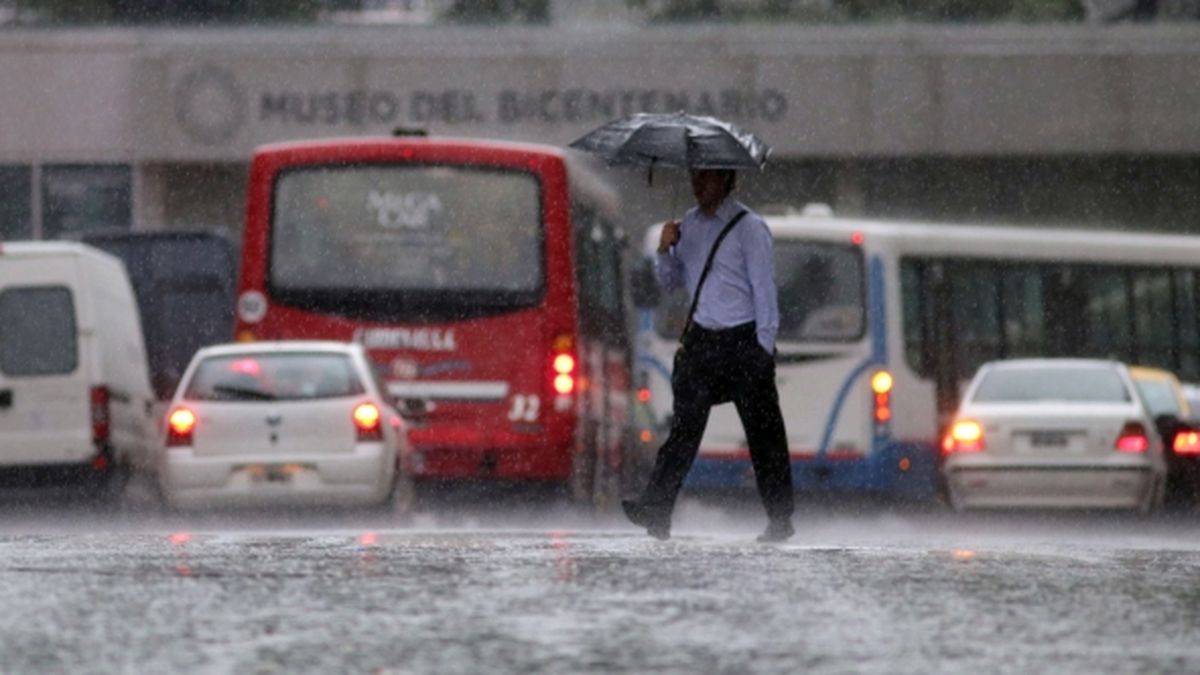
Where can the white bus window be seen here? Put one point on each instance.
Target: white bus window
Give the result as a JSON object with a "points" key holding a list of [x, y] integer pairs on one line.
{"points": [[1106, 321], [821, 291], [1024, 312], [975, 306], [913, 307], [1188, 349], [1153, 321]]}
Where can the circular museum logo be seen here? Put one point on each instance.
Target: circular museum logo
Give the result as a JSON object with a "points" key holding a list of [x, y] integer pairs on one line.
{"points": [[210, 106]]}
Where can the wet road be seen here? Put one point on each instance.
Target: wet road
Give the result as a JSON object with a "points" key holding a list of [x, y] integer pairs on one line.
{"points": [[858, 590]]}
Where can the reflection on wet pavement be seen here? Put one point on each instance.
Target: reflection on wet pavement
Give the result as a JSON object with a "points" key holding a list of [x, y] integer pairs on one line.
{"points": [[877, 592]]}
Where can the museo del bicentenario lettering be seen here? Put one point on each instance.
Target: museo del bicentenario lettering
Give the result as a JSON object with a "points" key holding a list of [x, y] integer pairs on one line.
{"points": [[370, 107]]}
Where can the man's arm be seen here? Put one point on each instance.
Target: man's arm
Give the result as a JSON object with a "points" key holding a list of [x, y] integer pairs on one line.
{"points": [[669, 270], [760, 264], [667, 267]]}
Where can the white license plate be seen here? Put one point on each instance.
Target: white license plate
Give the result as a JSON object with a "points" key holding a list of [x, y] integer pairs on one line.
{"points": [[1049, 439]]}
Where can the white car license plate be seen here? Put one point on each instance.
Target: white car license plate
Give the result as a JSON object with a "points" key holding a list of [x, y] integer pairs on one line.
{"points": [[1049, 439], [272, 473]]}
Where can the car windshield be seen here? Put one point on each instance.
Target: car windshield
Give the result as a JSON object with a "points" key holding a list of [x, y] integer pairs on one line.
{"points": [[1083, 384], [274, 377], [1159, 397]]}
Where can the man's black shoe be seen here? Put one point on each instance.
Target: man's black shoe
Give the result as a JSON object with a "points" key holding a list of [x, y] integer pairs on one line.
{"points": [[777, 530], [657, 525]]}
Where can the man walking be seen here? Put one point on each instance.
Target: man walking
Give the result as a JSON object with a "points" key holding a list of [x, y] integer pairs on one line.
{"points": [[721, 253]]}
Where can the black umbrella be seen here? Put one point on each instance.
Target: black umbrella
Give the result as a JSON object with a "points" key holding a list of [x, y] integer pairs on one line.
{"points": [[675, 139]]}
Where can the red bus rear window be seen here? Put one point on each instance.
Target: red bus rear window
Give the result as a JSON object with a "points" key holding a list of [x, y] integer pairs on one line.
{"points": [[439, 231]]}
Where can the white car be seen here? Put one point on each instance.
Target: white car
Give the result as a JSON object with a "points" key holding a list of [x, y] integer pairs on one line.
{"points": [[1051, 433], [292, 422]]}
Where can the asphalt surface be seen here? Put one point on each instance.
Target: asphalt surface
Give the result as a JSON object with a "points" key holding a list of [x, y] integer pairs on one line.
{"points": [[861, 588]]}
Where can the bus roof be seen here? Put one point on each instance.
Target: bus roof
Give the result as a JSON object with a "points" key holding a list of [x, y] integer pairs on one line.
{"points": [[1020, 242], [584, 180], [406, 140]]}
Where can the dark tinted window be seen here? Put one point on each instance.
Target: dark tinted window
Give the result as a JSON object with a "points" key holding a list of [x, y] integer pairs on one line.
{"points": [[37, 331], [274, 377], [961, 312], [184, 284], [1072, 384], [16, 213]]}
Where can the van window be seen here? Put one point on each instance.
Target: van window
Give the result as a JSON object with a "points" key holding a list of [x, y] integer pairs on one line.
{"points": [[37, 331]]}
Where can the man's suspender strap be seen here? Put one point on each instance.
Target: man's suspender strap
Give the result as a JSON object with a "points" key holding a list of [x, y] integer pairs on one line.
{"points": [[708, 266]]}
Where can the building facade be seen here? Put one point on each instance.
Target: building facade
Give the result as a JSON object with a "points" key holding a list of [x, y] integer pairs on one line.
{"points": [[1083, 125]]}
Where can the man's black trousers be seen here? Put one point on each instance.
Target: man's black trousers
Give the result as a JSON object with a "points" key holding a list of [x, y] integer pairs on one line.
{"points": [[718, 366]]}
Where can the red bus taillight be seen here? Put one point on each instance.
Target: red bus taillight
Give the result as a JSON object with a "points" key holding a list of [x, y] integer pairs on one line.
{"points": [[1187, 442], [101, 419], [368, 422], [563, 366], [1133, 438], [881, 387], [964, 436], [180, 425]]}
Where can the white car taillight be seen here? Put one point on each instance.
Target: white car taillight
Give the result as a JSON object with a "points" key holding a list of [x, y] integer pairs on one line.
{"points": [[368, 422], [963, 436], [180, 425], [1133, 438]]}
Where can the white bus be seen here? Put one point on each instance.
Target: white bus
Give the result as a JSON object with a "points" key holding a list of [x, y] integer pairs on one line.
{"points": [[882, 324]]}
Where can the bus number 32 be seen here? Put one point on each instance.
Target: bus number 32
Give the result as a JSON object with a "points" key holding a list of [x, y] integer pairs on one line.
{"points": [[524, 408]]}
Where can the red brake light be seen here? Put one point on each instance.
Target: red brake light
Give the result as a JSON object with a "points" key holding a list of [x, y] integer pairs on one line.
{"points": [[180, 425], [563, 365], [101, 420], [964, 436], [1187, 442], [367, 422], [1133, 438]]}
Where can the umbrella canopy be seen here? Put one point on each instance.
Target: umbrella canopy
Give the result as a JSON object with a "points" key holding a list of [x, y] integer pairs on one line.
{"points": [[675, 139]]}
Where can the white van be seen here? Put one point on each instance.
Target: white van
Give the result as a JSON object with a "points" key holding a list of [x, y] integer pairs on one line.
{"points": [[75, 395]]}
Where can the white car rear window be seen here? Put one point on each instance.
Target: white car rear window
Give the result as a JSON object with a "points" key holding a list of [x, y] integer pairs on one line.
{"points": [[1021, 385], [274, 377]]}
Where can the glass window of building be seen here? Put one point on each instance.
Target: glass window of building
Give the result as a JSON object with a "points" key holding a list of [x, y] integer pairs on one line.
{"points": [[16, 213], [78, 197]]}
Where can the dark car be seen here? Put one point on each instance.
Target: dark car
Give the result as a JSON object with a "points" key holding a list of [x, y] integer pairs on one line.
{"points": [[185, 281], [1174, 417]]}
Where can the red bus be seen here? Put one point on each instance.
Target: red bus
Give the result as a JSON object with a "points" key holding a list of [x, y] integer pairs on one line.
{"points": [[484, 278]]}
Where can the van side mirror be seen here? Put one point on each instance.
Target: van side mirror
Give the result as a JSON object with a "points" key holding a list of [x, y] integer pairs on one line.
{"points": [[644, 285]]}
